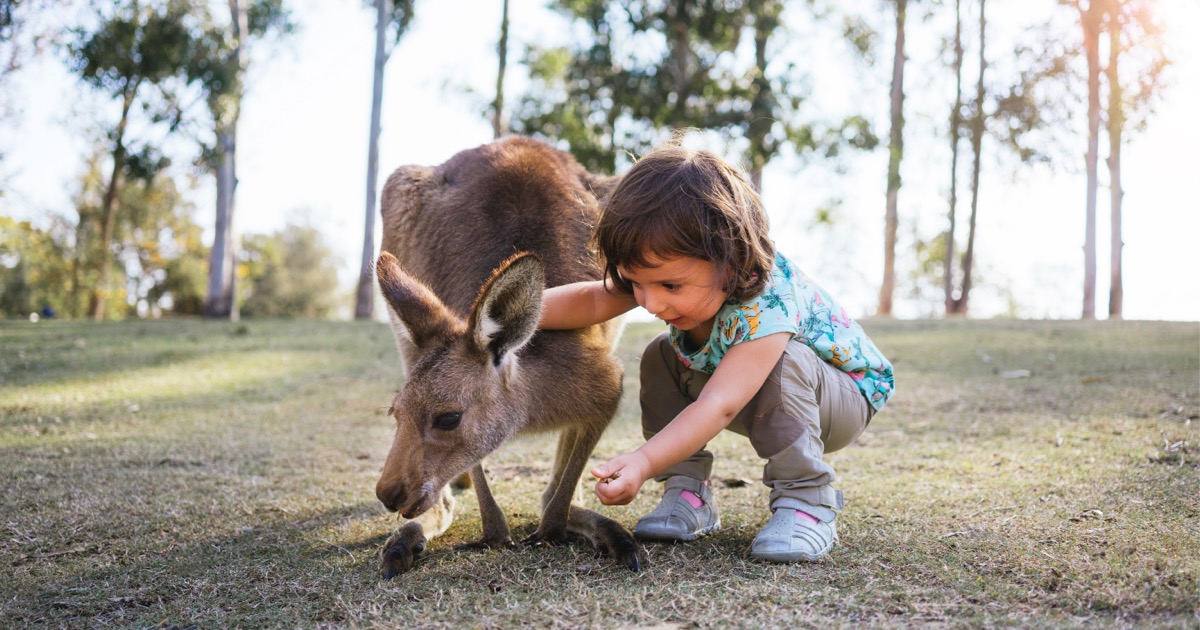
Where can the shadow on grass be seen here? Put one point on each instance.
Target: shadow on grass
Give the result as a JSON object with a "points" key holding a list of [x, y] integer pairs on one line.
{"points": [[251, 575]]}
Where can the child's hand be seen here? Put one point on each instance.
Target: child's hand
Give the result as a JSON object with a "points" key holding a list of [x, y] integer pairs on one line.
{"points": [[621, 478]]}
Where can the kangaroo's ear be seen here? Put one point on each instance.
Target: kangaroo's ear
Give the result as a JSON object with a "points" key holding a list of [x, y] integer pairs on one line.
{"points": [[424, 317], [506, 313], [601, 185]]}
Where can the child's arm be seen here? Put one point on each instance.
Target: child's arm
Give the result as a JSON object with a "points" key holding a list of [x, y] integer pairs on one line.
{"points": [[738, 377], [582, 304]]}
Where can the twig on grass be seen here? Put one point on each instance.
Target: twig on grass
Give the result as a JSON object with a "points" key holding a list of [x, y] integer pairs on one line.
{"points": [[1047, 554], [995, 509], [337, 546]]}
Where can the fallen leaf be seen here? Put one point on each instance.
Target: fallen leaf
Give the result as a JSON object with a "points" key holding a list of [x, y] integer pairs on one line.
{"points": [[1086, 514]]}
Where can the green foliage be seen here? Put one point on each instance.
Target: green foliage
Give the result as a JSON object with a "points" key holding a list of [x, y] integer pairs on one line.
{"points": [[1140, 33], [291, 273], [7, 20], [400, 19], [35, 272], [214, 67], [155, 251], [131, 47], [155, 246], [647, 67], [925, 279], [138, 54], [273, 16]]}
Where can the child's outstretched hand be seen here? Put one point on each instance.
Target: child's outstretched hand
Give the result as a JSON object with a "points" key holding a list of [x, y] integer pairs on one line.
{"points": [[620, 478]]}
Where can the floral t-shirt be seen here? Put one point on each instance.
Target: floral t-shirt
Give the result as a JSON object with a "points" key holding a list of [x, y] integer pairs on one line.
{"points": [[793, 303]]}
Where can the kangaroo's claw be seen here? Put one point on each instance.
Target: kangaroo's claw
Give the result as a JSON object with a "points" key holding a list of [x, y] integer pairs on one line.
{"points": [[613, 541], [545, 538], [401, 551]]}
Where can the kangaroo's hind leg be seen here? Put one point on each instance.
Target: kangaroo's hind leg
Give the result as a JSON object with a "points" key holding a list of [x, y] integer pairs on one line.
{"points": [[560, 517]]}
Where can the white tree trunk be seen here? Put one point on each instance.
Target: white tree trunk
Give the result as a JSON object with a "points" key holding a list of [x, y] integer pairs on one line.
{"points": [[1116, 125], [962, 304], [887, 288], [220, 302], [364, 306], [955, 127], [1090, 19], [499, 124], [221, 299]]}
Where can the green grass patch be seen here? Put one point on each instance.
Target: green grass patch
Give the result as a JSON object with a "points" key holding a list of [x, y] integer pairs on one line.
{"points": [[191, 473]]}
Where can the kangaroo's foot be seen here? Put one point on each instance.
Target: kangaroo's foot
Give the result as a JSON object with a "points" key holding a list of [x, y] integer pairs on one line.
{"points": [[606, 535], [615, 542], [400, 552]]}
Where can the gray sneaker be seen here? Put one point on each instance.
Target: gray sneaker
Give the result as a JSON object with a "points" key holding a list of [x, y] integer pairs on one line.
{"points": [[791, 538], [675, 518]]}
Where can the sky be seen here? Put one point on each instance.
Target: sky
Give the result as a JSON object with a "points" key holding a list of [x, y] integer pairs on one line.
{"points": [[303, 152]]}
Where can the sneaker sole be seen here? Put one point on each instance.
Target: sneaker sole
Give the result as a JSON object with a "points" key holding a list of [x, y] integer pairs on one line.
{"points": [[674, 537], [788, 557]]}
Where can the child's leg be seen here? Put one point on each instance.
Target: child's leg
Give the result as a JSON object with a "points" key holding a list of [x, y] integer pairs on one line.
{"points": [[687, 509], [668, 387], [807, 408]]}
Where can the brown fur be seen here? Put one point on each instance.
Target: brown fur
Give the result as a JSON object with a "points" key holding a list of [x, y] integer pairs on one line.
{"points": [[467, 248]]}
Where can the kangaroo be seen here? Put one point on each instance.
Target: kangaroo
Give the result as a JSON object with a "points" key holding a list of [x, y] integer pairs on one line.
{"points": [[468, 247]]}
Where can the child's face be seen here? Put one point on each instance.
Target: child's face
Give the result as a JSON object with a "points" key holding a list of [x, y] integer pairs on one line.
{"points": [[684, 292]]}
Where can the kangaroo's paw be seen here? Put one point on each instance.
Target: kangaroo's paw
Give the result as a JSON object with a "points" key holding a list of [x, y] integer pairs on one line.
{"points": [[400, 552], [614, 541]]}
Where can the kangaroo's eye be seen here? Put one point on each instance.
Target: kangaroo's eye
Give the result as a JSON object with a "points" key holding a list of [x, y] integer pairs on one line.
{"points": [[447, 421]]}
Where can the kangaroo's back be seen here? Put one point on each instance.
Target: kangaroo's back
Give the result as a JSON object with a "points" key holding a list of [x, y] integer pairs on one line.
{"points": [[453, 224]]}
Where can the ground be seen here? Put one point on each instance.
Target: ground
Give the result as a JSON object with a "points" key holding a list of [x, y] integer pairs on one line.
{"points": [[189, 473]]}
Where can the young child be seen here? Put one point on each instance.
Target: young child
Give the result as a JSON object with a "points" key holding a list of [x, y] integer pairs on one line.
{"points": [[752, 345]]}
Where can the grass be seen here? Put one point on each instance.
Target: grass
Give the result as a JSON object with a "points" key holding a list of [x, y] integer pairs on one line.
{"points": [[189, 473]]}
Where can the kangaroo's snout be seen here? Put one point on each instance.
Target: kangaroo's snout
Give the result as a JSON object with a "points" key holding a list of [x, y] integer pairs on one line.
{"points": [[392, 496]]}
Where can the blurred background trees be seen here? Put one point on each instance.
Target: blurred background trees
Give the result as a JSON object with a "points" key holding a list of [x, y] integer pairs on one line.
{"points": [[169, 77], [290, 273]]}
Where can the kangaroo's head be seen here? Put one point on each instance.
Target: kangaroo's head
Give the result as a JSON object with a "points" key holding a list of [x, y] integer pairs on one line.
{"points": [[463, 395]]}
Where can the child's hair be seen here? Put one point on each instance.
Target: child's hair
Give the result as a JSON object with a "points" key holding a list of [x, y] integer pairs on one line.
{"points": [[683, 202]]}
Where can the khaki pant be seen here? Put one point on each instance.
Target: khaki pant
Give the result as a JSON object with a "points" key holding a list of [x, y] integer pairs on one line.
{"points": [[806, 408]]}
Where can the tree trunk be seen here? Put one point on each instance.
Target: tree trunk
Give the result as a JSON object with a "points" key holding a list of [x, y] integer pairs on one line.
{"points": [[895, 152], [1090, 19], [108, 212], [766, 20], [963, 303], [679, 39], [364, 305], [221, 300], [1116, 124], [499, 125], [955, 127]]}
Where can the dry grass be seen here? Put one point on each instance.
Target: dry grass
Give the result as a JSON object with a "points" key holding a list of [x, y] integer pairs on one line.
{"points": [[193, 473]]}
